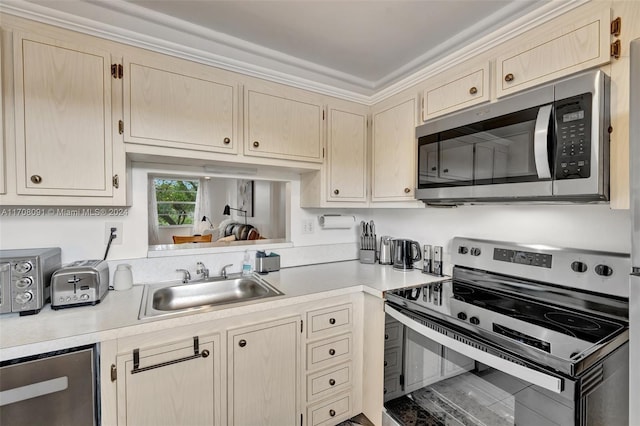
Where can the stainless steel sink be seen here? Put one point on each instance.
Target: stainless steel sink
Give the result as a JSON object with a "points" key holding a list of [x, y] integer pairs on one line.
{"points": [[159, 300]]}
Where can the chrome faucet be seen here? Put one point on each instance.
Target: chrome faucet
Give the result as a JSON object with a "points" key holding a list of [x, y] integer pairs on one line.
{"points": [[186, 276], [202, 270], [223, 271]]}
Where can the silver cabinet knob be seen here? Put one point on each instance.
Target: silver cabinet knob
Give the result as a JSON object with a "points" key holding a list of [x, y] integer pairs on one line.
{"points": [[36, 179], [242, 343]]}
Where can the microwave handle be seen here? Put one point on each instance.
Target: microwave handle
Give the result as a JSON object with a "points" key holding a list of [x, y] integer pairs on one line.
{"points": [[540, 149]]}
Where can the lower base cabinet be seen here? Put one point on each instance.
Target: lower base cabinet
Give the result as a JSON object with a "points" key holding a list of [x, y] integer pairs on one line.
{"points": [[263, 373], [170, 385]]}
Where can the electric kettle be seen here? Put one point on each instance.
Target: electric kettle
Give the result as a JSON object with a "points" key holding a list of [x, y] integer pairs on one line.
{"points": [[386, 250], [405, 252]]}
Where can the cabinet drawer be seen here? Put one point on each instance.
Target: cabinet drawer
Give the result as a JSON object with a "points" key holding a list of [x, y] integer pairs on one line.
{"points": [[392, 361], [325, 382], [322, 321], [467, 89], [330, 412], [391, 387], [327, 351], [392, 335]]}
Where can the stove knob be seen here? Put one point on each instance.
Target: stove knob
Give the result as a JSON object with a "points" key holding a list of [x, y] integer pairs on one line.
{"points": [[475, 251], [24, 282], [24, 298], [462, 316], [579, 266], [474, 320], [604, 270], [23, 267], [463, 250]]}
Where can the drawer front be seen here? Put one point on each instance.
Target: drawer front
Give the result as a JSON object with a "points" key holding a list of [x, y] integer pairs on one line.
{"points": [[324, 321], [328, 351], [330, 412], [469, 89], [324, 383], [392, 387], [393, 335], [392, 360]]}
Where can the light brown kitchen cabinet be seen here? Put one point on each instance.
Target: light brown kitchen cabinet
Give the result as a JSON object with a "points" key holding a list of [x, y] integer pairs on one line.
{"points": [[63, 119], [169, 384], [555, 52], [263, 373], [283, 123], [347, 159], [174, 103], [452, 93], [394, 151]]}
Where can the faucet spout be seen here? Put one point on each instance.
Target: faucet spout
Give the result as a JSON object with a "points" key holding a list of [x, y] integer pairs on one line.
{"points": [[223, 271], [186, 276], [202, 270]]}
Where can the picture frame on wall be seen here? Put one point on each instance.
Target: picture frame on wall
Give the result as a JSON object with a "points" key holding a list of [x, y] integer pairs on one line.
{"points": [[245, 196]]}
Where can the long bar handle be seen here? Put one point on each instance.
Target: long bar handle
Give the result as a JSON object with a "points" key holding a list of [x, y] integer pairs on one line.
{"points": [[540, 149], [196, 354], [34, 390]]}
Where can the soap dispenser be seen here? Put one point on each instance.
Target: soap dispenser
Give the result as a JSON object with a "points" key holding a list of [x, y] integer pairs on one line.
{"points": [[246, 264]]}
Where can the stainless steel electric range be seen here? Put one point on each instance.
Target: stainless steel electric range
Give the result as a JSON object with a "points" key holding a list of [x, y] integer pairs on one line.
{"points": [[555, 319]]}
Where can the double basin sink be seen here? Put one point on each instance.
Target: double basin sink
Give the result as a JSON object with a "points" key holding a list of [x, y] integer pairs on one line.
{"points": [[161, 300]]}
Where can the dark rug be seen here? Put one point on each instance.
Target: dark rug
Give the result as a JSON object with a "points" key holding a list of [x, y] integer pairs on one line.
{"points": [[408, 413]]}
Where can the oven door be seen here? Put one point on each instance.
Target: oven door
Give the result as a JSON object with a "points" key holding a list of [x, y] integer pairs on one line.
{"points": [[450, 378]]}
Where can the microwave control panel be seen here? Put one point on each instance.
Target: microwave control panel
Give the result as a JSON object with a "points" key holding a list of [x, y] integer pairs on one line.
{"points": [[573, 131]]}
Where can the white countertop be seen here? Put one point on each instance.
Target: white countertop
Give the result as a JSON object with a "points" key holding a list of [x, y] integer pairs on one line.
{"points": [[117, 315]]}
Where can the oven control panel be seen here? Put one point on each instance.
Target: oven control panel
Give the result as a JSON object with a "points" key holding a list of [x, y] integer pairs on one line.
{"points": [[523, 257]]}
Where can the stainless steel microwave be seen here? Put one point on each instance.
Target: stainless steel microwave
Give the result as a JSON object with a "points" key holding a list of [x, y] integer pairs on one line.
{"points": [[550, 143]]}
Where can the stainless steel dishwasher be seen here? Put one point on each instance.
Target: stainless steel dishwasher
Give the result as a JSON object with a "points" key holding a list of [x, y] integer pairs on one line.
{"points": [[56, 388]]}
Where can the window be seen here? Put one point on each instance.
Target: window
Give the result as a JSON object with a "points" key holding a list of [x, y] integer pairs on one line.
{"points": [[176, 201]]}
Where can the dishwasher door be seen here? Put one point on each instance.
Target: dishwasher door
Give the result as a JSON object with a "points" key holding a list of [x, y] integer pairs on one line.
{"points": [[57, 388]]}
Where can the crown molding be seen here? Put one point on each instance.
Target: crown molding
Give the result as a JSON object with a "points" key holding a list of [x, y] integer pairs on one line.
{"points": [[150, 30]]}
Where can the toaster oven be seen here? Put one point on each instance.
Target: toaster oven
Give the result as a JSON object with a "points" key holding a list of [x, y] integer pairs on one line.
{"points": [[25, 278]]}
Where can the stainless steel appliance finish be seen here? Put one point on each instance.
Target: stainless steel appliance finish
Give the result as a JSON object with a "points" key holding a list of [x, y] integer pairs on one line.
{"points": [[57, 388], [556, 318], [386, 250], [405, 253], [634, 280], [80, 283], [25, 278], [547, 144]]}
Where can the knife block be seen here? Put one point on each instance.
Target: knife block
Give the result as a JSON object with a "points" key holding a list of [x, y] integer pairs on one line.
{"points": [[367, 256]]}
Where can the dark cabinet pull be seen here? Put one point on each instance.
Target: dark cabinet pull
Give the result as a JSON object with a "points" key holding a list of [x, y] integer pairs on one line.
{"points": [[332, 413], [386, 363], [332, 351], [386, 337], [226, 141], [336, 191], [36, 178], [473, 90], [256, 144], [196, 354], [332, 382], [332, 321], [446, 170], [407, 190], [509, 77], [242, 343]]}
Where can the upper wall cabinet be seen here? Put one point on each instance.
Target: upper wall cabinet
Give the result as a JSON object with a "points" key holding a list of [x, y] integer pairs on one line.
{"points": [[451, 93], [283, 123], [179, 104], [394, 146], [548, 53], [63, 123]]}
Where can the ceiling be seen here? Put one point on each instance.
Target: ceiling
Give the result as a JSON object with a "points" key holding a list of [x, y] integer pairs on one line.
{"points": [[362, 46]]}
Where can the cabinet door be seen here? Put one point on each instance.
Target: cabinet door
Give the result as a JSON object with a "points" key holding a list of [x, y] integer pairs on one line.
{"points": [[394, 146], [555, 53], [165, 392], [452, 94], [280, 127], [63, 118], [263, 373], [347, 156], [422, 361], [179, 104]]}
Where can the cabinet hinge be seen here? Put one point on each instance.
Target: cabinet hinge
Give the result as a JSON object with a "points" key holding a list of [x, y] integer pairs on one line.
{"points": [[323, 114], [120, 126], [402, 380], [117, 71], [322, 152], [301, 325], [115, 181], [114, 373], [300, 419], [616, 27], [616, 49]]}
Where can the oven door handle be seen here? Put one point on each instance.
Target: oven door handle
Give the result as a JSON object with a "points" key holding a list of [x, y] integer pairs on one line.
{"points": [[33, 390], [540, 148], [538, 378]]}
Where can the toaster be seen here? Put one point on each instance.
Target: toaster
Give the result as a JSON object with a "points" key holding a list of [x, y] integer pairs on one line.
{"points": [[80, 283]]}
